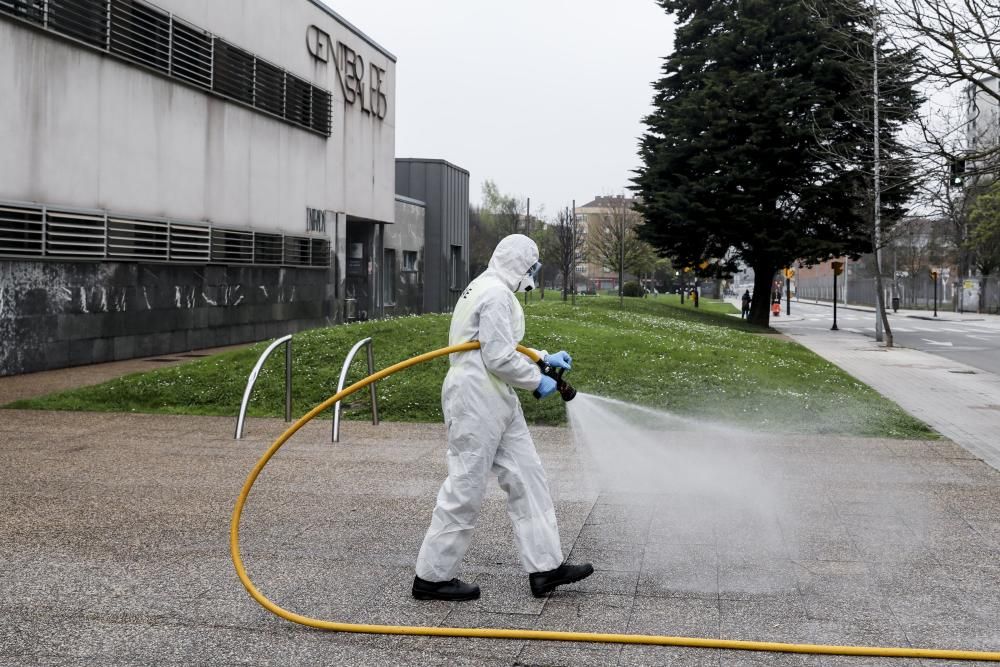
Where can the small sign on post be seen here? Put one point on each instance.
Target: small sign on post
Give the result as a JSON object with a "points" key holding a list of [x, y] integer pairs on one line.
{"points": [[934, 278], [789, 273]]}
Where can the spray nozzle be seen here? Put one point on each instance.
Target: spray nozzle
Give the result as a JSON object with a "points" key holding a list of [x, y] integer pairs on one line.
{"points": [[564, 388]]}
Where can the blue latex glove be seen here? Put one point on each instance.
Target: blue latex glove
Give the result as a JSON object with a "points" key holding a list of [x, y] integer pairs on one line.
{"points": [[559, 360], [546, 386]]}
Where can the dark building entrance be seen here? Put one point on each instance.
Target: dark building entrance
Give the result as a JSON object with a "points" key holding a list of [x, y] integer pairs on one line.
{"points": [[359, 287]]}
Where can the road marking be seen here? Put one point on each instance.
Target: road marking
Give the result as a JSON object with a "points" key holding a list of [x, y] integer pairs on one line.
{"points": [[934, 342], [902, 330], [953, 330]]}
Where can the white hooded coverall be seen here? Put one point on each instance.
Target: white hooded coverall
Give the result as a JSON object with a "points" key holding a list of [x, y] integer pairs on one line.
{"points": [[486, 428]]}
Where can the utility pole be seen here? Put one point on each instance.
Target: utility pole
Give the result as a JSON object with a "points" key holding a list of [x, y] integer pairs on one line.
{"points": [[621, 261], [527, 232], [573, 281], [880, 317], [836, 268], [563, 258]]}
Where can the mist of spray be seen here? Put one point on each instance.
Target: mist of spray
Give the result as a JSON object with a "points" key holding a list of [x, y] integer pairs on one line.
{"points": [[696, 478], [648, 457], [639, 450]]}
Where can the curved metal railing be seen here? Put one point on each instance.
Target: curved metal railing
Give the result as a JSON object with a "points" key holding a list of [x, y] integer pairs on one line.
{"points": [[343, 377], [284, 340]]}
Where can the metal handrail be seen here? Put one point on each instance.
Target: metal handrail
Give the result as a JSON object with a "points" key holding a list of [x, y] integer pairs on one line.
{"points": [[252, 380], [343, 376]]}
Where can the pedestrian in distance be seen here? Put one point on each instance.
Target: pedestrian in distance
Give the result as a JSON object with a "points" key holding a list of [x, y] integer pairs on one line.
{"points": [[747, 300], [487, 434]]}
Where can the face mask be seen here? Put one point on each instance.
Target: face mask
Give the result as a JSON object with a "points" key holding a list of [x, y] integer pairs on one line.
{"points": [[528, 281]]}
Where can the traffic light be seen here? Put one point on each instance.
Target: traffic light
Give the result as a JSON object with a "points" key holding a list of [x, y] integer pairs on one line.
{"points": [[957, 171], [838, 268]]}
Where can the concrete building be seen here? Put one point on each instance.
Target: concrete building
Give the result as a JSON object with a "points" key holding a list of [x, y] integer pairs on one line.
{"points": [[192, 174], [445, 190], [983, 115]]}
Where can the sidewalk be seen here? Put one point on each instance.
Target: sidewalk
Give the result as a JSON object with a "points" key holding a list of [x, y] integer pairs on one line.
{"points": [[960, 402], [113, 535], [30, 385]]}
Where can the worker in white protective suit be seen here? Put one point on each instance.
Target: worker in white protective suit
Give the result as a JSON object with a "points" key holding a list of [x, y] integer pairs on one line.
{"points": [[487, 433]]}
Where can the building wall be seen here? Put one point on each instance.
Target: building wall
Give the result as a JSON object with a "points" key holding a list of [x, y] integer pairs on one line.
{"points": [[88, 130], [57, 314], [444, 188], [983, 114], [405, 236], [85, 130]]}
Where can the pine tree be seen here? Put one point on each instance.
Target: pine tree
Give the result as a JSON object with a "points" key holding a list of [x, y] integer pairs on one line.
{"points": [[754, 151]]}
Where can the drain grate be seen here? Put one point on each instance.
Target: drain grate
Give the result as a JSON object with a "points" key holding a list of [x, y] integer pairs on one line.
{"points": [[964, 372]]}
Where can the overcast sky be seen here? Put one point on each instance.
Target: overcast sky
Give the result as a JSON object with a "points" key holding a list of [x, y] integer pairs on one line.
{"points": [[544, 97]]}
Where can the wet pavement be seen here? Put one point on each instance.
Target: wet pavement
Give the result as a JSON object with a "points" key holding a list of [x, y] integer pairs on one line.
{"points": [[114, 539]]}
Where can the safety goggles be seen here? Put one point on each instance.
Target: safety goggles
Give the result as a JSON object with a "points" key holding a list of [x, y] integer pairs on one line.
{"points": [[535, 268]]}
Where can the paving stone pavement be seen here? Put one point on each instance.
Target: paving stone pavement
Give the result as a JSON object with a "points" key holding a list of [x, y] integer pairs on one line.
{"points": [[114, 539]]}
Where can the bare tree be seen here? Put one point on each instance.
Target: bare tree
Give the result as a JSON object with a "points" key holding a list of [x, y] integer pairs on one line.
{"points": [[956, 141], [885, 169], [959, 42], [506, 213], [613, 240], [915, 248], [568, 242]]}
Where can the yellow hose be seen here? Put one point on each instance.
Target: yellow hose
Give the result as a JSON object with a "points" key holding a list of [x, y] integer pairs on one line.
{"points": [[234, 546]]}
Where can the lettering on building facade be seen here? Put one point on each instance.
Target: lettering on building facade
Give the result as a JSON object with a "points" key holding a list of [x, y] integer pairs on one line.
{"points": [[315, 220], [358, 83]]}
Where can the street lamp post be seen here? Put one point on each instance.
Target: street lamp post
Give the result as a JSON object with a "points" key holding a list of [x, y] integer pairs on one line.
{"points": [[834, 327], [837, 268], [573, 282]]}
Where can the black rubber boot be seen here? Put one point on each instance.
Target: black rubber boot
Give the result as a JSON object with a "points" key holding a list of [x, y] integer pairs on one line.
{"points": [[455, 590], [543, 583]]}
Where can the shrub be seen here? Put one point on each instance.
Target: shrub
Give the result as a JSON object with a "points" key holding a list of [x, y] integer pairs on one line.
{"points": [[632, 289]]}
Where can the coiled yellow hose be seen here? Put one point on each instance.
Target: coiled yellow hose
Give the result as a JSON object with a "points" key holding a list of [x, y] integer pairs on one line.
{"points": [[492, 633]]}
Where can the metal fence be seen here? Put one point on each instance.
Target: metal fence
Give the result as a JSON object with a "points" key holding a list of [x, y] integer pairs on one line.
{"points": [[914, 292], [145, 35]]}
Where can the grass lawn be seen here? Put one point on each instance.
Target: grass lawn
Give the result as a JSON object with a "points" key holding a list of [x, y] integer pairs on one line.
{"points": [[702, 363]]}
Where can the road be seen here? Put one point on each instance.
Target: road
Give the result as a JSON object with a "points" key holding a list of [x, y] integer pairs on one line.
{"points": [[974, 342]]}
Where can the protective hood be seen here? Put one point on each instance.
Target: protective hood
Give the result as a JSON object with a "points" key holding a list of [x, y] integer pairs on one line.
{"points": [[512, 258]]}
